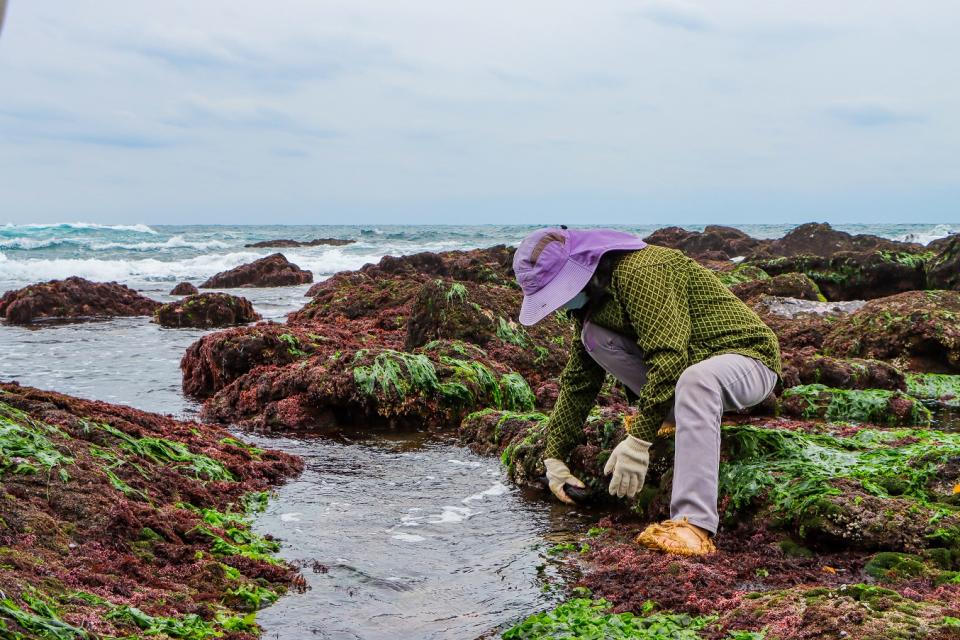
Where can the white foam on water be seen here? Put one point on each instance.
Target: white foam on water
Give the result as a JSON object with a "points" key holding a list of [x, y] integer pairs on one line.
{"points": [[176, 242], [136, 228], [461, 463], [408, 537], [290, 517], [498, 489], [928, 236], [452, 515]]}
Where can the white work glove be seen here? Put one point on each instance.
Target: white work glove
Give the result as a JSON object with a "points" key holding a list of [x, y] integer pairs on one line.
{"points": [[557, 475], [628, 462]]}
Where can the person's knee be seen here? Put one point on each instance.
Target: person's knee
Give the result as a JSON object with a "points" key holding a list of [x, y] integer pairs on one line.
{"points": [[696, 379]]}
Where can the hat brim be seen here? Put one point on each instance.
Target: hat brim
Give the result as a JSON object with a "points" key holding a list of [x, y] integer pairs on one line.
{"points": [[569, 281]]}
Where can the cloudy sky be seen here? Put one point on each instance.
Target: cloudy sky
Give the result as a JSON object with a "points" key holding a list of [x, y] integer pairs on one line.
{"points": [[470, 112]]}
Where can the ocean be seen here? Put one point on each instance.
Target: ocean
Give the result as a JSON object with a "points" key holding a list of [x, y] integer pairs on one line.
{"points": [[147, 256]]}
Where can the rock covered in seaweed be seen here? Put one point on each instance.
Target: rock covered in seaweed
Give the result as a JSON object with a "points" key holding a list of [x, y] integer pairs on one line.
{"points": [[943, 269], [206, 310], [918, 331], [432, 387], [786, 285], [272, 271], [117, 521], [219, 358], [855, 275], [73, 298], [184, 289], [806, 366]]}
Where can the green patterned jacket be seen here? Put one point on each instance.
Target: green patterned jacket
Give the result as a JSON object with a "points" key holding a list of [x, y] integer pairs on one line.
{"points": [[680, 314]]}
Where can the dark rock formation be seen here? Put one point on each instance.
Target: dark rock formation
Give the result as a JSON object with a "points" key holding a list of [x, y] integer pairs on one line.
{"points": [[820, 239], [206, 310], [129, 508], [713, 243], [73, 298], [184, 289], [943, 269], [286, 244], [273, 271], [918, 331]]}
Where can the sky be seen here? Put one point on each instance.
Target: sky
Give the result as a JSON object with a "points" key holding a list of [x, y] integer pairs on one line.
{"points": [[526, 111]]}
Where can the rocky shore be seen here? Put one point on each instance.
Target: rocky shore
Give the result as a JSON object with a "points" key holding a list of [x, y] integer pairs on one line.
{"points": [[840, 495]]}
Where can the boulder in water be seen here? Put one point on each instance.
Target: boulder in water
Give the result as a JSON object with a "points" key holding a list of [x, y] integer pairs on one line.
{"points": [[73, 299], [273, 271], [184, 289], [206, 310], [820, 239], [286, 244]]}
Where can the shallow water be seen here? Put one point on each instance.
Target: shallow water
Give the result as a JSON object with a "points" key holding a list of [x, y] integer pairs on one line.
{"points": [[411, 537]]}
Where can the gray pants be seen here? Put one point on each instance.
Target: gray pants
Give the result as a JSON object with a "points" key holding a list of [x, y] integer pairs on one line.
{"points": [[704, 391]]}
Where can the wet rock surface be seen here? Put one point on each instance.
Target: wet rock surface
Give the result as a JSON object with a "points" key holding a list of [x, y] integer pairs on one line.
{"points": [[943, 269], [122, 523], [285, 243], [272, 271], [206, 310], [73, 299]]}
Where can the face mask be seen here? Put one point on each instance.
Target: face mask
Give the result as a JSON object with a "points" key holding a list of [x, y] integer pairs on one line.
{"points": [[577, 302]]}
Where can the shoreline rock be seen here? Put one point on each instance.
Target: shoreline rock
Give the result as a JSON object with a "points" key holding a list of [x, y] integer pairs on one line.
{"points": [[272, 271], [184, 289], [73, 298]]}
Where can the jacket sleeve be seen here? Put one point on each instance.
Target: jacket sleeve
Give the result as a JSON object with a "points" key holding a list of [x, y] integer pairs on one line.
{"points": [[580, 383], [655, 300]]}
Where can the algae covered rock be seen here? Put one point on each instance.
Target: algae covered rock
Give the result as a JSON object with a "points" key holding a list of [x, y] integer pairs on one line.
{"points": [[432, 387], [206, 310], [272, 271], [786, 285], [878, 406], [184, 289], [943, 269], [217, 359], [119, 520], [918, 331], [806, 366], [73, 299], [855, 275]]}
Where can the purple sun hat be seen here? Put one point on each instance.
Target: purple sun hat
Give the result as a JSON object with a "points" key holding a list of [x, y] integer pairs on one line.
{"points": [[554, 264]]}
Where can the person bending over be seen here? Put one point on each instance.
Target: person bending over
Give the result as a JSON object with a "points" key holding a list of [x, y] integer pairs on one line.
{"points": [[682, 344]]}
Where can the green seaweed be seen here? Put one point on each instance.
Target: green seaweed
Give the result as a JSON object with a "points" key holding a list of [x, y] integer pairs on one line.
{"points": [[855, 405], [169, 452], [41, 620], [510, 331], [939, 387], [742, 273], [586, 618], [25, 445], [796, 470], [456, 292]]}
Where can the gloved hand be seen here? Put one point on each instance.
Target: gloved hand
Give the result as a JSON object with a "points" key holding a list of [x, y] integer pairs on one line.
{"points": [[558, 475], [628, 461]]}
